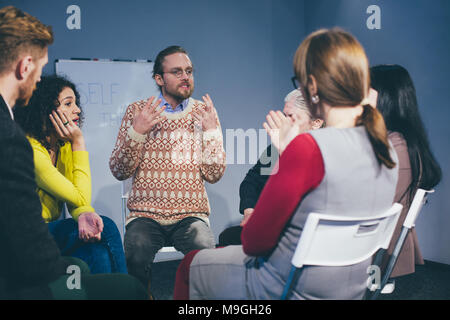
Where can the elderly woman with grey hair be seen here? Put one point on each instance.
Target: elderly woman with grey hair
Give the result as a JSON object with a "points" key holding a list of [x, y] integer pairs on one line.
{"points": [[251, 187], [296, 109]]}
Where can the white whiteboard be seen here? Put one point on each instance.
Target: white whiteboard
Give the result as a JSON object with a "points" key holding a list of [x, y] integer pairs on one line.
{"points": [[106, 88]]}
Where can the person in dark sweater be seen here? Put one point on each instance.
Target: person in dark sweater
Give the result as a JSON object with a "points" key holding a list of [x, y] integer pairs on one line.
{"points": [[251, 187], [32, 266]]}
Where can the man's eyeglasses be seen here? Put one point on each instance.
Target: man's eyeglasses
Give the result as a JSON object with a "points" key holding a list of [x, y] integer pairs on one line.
{"points": [[295, 82], [179, 72]]}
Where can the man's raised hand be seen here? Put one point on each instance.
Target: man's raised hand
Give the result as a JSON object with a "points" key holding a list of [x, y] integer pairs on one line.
{"points": [[146, 118], [206, 116]]}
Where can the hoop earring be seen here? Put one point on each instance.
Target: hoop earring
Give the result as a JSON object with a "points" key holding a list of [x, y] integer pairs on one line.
{"points": [[315, 99]]}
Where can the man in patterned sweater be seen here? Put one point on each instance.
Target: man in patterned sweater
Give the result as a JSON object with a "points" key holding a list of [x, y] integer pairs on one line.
{"points": [[168, 147]]}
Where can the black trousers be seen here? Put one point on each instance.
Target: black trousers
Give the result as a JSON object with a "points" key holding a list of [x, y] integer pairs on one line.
{"points": [[144, 237], [230, 236]]}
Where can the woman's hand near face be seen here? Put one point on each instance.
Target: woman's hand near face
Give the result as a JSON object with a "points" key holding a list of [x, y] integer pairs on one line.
{"points": [[281, 129], [67, 130]]}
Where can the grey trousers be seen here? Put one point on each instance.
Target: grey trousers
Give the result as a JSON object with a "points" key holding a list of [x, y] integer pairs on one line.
{"points": [[144, 237], [228, 273]]}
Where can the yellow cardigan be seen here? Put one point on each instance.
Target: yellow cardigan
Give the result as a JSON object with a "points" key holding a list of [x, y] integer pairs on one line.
{"points": [[69, 181]]}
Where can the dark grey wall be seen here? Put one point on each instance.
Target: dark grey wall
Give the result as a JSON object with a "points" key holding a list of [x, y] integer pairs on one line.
{"points": [[414, 34], [242, 52]]}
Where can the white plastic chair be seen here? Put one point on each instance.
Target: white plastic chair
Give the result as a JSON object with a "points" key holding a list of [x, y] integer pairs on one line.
{"points": [[330, 240], [163, 254], [419, 200]]}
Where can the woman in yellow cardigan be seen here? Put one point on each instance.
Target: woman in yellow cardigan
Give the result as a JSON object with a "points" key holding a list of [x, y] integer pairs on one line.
{"points": [[52, 124]]}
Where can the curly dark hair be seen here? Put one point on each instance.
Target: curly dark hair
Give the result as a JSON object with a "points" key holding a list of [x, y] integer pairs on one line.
{"points": [[34, 118]]}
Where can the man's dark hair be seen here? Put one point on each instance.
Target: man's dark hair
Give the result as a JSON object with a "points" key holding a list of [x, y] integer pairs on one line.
{"points": [[158, 66], [34, 119]]}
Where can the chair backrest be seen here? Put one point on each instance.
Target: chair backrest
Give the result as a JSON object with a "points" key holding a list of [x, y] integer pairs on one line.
{"points": [[330, 240], [416, 205]]}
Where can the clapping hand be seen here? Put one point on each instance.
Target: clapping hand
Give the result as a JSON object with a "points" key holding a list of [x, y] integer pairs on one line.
{"points": [[206, 116], [145, 119]]}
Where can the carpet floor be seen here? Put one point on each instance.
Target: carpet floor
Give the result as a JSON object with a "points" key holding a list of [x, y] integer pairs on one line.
{"points": [[430, 282]]}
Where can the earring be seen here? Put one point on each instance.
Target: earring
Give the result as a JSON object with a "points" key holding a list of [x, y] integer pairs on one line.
{"points": [[315, 99]]}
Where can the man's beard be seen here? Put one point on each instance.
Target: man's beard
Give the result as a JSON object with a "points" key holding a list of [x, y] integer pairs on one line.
{"points": [[181, 95], [26, 92]]}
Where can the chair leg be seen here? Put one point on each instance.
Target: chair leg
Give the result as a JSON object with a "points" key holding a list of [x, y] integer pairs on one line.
{"points": [[290, 283], [124, 214], [379, 257], [392, 262]]}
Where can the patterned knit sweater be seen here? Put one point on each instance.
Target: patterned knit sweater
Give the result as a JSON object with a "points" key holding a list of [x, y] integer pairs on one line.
{"points": [[168, 165]]}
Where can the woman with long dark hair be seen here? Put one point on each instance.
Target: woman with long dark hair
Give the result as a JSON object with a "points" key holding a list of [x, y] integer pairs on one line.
{"points": [[418, 167], [347, 168], [52, 124]]}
